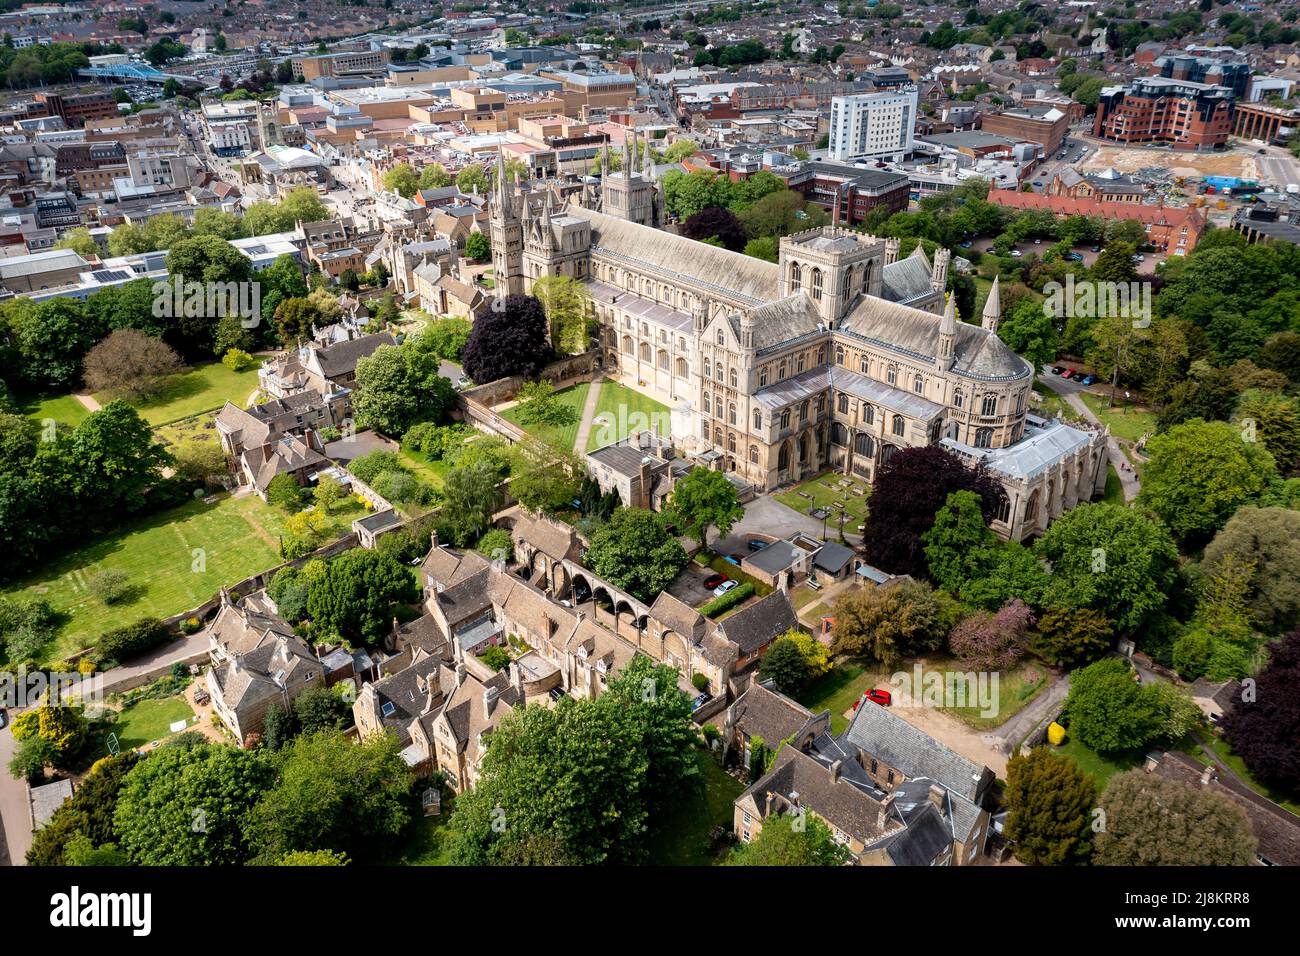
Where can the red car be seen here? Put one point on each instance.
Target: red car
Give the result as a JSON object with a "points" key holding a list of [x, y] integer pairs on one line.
{"points": [[876, 696], [715, 580]]}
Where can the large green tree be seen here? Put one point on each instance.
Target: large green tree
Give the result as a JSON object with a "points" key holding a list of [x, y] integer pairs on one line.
{"points": [[791, 840], [1049, 802], [355, 594], [705, 498], [635, 551]]}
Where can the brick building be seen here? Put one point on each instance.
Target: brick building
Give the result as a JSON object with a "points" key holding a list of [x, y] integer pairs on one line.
{"points": [[1045, 125], [1181, 113], [1172, 230]]}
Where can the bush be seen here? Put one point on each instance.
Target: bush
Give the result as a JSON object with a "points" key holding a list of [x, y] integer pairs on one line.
{"points": [[191, 625], [124, 643], [497, 545], [495, 657], [237, 360], [729, 600], [110, 585], [699, 681], [285, 492], [371, 466]]}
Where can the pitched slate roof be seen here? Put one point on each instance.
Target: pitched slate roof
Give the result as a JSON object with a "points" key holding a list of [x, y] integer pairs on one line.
{"points": [[906, 280], [342, 358], [758, 624], [880, 733], [763, 712]]}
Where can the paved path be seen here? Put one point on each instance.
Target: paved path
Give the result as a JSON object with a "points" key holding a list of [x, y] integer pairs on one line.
{"points": [[176, 652], [588, 414], [88, 402], [1127, 476], [16, 833], [1032, 714]]}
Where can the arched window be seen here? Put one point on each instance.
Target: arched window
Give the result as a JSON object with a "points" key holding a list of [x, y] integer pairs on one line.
{"points": [[821, 356], [762, 378], [1004, 509], [663, 360], [900, 425], [627, 344], [783, 457], [803, 412], [753, 454], [847, 285], [983, 438], [708, 368], [863, 365], [864, 445], [707, 406], [717, 436], [891, 376], [842, 403], [868, 414], [785, 418], [839, 355], [731, 416], [722, 339], [758, 419], [732, 378], [958, 399], [796, 277], [645, 331], [644, 352], [680, 368], [780, 371], [817, 283], [918, 385], [731, 444], [839, 435], [717, 371]]}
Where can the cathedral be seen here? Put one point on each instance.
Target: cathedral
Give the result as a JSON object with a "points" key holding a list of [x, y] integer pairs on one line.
{"points": [[834, 357]]}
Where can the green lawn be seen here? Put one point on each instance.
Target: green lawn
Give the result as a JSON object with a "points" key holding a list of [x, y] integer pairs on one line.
{"points": [[621, 411], [824, 492], [1114, 493], [429, 843], [434, 472], [1016, 688], [1100, 768], [149, 720], [176, 560], [682, 837], [1129, 422], [837, 690], [201, 389], [563, 436], [64, 409]]}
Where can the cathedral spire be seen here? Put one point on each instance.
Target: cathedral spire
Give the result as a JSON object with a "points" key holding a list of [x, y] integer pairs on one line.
{"points": [[502, 188], [947, 335], [992, 313]]}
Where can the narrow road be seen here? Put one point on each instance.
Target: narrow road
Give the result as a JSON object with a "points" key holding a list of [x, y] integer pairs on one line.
{"points": [[16, 834], [1127, 477]]}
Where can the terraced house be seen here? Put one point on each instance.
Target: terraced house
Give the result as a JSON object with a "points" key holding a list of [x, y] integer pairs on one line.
{"points": [[836, 356]]}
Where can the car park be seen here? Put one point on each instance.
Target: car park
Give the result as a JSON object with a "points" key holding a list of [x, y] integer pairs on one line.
{"points": [[715, 580], [1089, 380], [1058, 369], [1015, 253], [1068, 373]]}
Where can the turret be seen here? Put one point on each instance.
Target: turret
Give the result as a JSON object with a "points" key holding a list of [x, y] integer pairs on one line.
{"points": [[947, 336], [891, 251], [992, 313], [939, 271]]}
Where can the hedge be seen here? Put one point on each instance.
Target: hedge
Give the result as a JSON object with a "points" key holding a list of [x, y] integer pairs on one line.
{"points": [[728, 600], [123, 643]]}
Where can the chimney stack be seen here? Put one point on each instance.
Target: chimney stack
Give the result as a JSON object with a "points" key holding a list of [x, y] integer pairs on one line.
{"points": [[936, 795], [1207, 775], [835, 771], [490, 695], [460, 673]]}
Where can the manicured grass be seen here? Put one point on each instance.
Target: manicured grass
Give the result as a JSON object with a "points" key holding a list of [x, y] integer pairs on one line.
{"points": [[1053, 405], [563, 436], [621, 410], [1223, 750], [429, 845], [823, 492], [837, 690], [201, 389], [1129, 422], [149, 720], [1100, 768], [176, 560], [1114, 493], [63, 409], [434, 472], [681, 838], [1016, 688]]}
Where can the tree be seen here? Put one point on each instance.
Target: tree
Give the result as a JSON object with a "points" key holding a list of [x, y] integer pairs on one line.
{"points": [[1031, 332], [548, 483], [478, 247], [568, 311], [131, 640], [472, 179], [1115, 263], [1264, 726], [288, 589], [1111, 559], [52, 339], [312, 858], [909, 490], [580, 783], [80, 241], [284, 492], [1108, 710], [110, 585], [785, 665], [1049, 804], [190, 806], [131, 365], [444, 339], [1071, 637], [508, 341], [993, 642], [635, 551], [354, 595], [791, 839], [889, 623], [402, 180], [329, 492], [714, 223], [1199, 473], [1274, 421], [471, 497], [87, 814], [1151, 821], [333, 794], [705, 498], [1269, 539], [434, 176], [764, 247]]}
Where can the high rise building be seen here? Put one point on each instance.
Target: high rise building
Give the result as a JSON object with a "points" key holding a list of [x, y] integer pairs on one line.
{"points": [[873, 125]]}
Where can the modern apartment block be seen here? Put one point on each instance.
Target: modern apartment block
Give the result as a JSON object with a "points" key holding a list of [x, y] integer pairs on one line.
{"points": [[1153, 109], [873, 125]]}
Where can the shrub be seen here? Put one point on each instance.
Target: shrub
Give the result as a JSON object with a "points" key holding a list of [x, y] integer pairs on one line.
{"points": [[729, 600], [237, 360], [191, 625], [495, 657], [124, 643], [497, 545], [699, 681]]}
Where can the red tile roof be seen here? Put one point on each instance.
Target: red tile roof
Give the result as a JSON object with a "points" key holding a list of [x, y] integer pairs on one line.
{"points": [[1066, 206]]}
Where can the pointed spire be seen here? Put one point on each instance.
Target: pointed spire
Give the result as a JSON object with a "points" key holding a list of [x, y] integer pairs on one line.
{"points": [[627, 155], [604, 160], [948, 324], [992, 313]]}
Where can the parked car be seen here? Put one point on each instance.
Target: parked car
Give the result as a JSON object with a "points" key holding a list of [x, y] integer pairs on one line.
{"points": [[463, 382], [1089, 380], [1078, 377], [724, 587], [1016, 253], [1073, 257], [964, 244], [715, 580], [1038, 242], [877, 696], [756, 545], [1095, 249], [1068, 373], [1058, 369], [700, 701]]}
